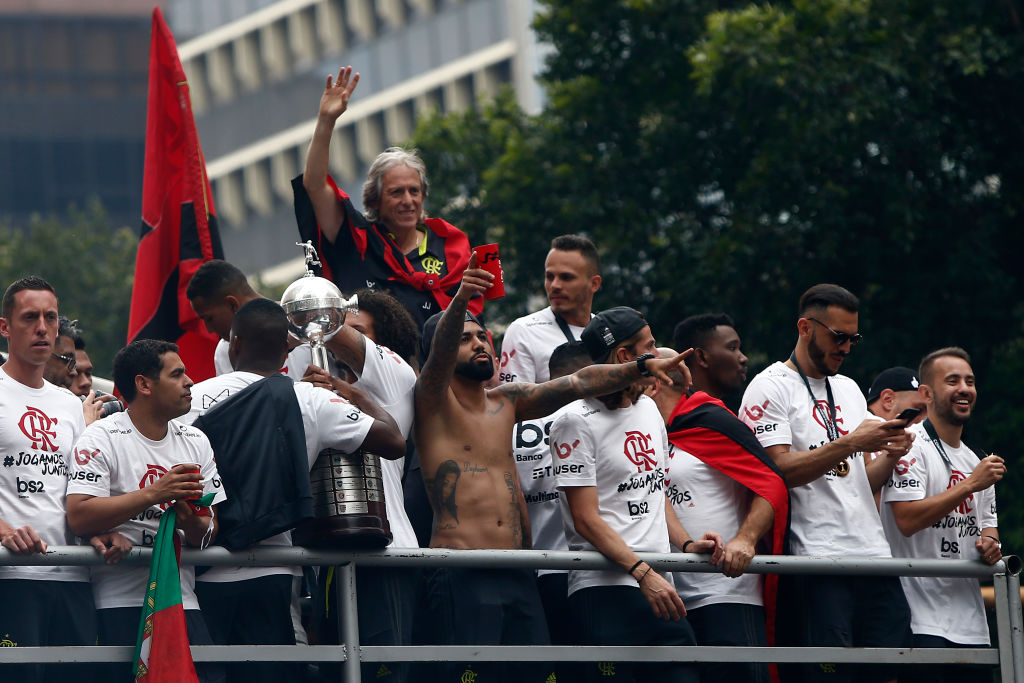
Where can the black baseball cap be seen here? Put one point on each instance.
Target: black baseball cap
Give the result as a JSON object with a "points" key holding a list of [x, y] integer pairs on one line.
{"points": [[609, 328], [897, 379], [429, 327]]}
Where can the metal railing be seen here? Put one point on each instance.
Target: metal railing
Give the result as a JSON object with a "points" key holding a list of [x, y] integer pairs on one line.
{"points": [[1008, 653]]}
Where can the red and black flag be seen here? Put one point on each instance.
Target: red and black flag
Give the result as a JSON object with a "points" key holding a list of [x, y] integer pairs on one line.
{"points": [[179, 226], [702, 426]]}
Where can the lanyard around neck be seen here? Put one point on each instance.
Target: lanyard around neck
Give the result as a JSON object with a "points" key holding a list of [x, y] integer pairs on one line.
{"points": [[564, 327], [830, 424], [937, 442]]}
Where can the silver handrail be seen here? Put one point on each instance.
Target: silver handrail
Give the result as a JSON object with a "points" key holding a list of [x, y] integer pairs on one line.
{"points": [[1009, 653]]}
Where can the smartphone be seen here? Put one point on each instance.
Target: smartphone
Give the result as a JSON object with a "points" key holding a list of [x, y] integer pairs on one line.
{"points": [[909, 415]]}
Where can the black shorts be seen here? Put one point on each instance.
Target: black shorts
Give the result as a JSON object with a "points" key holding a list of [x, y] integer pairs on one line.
{"points": [[554, 596], [251, 612], [730, 623], [487, 607], [845, 611], [945, 673], [386, 610], [621, 615], [41, 613]]}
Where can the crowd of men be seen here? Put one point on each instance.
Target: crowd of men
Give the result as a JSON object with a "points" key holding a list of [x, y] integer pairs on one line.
{"points": [[581, 433]]}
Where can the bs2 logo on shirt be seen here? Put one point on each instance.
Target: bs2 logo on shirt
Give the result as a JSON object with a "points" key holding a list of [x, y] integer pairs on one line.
{"points": [[564, 450]]}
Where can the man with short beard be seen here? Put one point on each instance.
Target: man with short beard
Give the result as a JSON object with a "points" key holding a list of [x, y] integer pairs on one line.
{"points": [[811, 420], [461, 425], [941, 502], [610, 455]]}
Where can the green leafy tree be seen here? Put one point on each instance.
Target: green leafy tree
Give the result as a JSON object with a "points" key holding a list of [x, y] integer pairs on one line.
{"points": [[726, 156], [89, 264]]}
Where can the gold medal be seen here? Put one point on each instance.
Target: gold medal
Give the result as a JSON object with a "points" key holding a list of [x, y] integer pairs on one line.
{"points": [[842, 468]]}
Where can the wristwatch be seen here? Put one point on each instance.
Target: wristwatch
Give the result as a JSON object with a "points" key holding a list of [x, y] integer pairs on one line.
{"points": [[641, 364]]}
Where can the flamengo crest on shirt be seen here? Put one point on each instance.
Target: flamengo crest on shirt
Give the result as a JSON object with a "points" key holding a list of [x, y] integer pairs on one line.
{"points": [[153, 472], [637, 448], [955, 477], [822, 408], [39, 428]]}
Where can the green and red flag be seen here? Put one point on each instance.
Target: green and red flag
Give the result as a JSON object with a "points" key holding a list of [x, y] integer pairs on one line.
{"points": [[162, 653], [179, 224]]}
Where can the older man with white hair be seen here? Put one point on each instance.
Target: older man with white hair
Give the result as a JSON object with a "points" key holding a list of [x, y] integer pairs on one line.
{"points": [[393, 246]]}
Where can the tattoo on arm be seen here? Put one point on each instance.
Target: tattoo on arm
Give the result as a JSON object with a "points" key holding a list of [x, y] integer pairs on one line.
{"points": [[441, 491], [515, 512], [437, 371], [538, 400]]}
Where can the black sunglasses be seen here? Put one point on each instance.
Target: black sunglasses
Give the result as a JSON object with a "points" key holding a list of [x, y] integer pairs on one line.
{"points": [[841, 338], [68, 359]]}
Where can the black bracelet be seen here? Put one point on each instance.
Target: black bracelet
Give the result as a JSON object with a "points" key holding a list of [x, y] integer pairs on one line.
{"points": [[683, 549], [999, 544], [633, 568]]}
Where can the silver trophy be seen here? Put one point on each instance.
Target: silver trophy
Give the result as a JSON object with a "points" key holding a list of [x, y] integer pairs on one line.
{"points": [[348, 489]]}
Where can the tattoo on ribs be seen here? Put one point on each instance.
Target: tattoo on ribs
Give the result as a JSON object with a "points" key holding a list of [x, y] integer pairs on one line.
{"points": [[442, 495], [515, 520]]}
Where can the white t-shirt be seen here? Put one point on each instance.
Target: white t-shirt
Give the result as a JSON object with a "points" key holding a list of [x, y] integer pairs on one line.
{"points": [[388, 380], [704, 499], [221, 361], [527, 346], [941, 606], [833, 516], [532, 453], [111, 459], [327, 421], [38, 430], [621, 453], [295, 365]]}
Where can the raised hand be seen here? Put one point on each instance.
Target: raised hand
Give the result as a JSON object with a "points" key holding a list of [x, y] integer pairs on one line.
{"points": [[989, 471], [660, 367], [334, 101], [473, 280]]}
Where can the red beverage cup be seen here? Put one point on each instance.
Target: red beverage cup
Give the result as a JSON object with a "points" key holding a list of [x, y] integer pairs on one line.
{"points": [[487, 258], [193, 467]]}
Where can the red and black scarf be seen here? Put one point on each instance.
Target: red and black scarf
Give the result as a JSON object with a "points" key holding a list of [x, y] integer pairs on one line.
{"points": [[381, 258], [702, 426]]}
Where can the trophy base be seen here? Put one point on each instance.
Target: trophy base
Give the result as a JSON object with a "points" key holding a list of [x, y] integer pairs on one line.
{"points": [[344, 532]]}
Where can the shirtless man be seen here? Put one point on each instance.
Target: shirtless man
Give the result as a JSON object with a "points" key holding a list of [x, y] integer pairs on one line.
{"points": [[463, 432]]}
